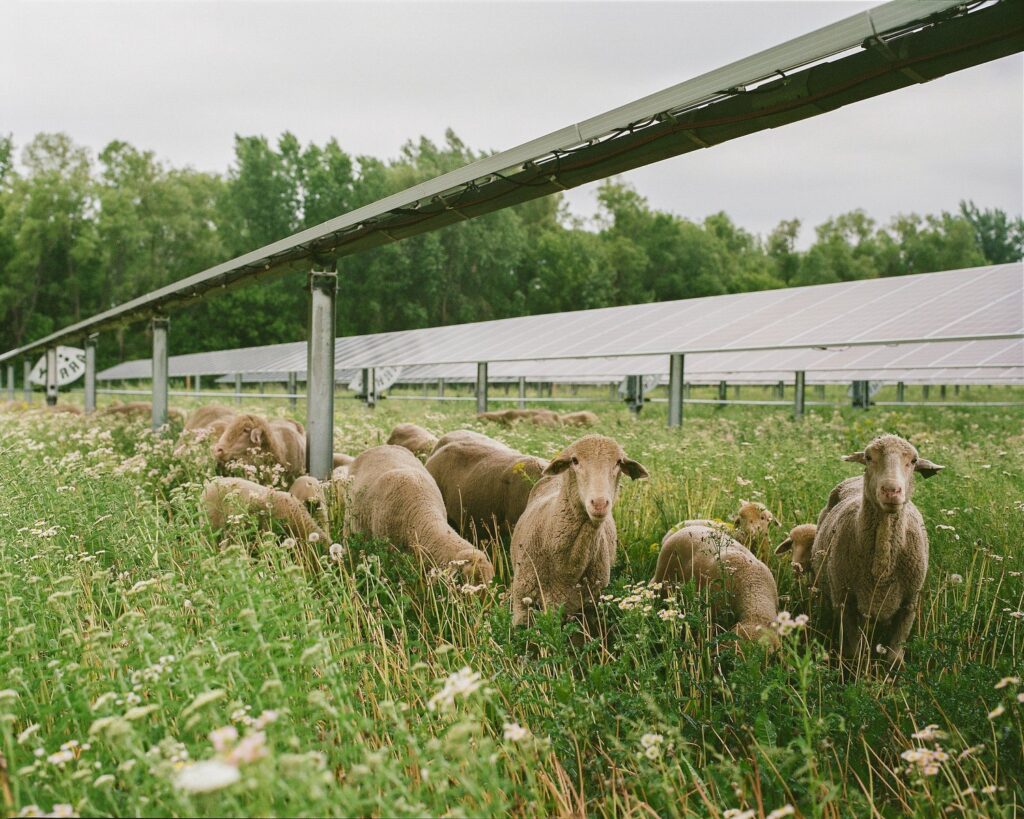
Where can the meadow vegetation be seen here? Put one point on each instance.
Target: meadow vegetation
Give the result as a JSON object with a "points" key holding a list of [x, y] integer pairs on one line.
{"points": [[149, 670]]}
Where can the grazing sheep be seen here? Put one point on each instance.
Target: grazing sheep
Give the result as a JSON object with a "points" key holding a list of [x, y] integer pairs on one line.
{"points": [[801, 543], [485, 484], [564, 543], [311, 492], [389, 494], [224, 496], [414, 438], [750, 524], [341, 459], [709, 556], [206, 416], [70, 409], [870, 554], [253, 439], [540, 417], [141, 409], [584, 418], [464, 435]]}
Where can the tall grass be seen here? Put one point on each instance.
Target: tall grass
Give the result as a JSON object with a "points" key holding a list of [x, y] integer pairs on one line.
{"points": [[131, 634]]}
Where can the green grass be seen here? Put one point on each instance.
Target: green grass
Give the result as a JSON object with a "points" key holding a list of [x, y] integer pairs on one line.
{"points": [[129, 630]]}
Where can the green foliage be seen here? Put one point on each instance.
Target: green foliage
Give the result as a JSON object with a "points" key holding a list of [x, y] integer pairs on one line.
{"points": [[131, 633], [79, 234]]}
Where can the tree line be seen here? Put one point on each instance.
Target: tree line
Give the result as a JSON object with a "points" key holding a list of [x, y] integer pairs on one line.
{"points": [[80, 234]]}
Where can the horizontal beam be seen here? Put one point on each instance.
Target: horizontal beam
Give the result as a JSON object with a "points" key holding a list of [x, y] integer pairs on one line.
{"points": [[721, 105]]}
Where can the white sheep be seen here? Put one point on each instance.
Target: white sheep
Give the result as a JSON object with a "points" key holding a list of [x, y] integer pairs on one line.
{"points": [[389, 494], [484, 483], [801, 543], [749, 525], [415, 438], [223, 497], [564, 544], [253, 439], [711, 558], [870, 554]]}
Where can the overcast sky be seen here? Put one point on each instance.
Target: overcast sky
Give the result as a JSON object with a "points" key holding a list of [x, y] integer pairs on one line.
{"points": [[182, 78]]}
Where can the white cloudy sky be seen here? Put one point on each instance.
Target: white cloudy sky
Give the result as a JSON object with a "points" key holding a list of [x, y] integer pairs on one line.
{"points": [[182, 78]]}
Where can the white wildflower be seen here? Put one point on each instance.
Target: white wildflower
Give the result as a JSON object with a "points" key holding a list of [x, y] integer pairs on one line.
{"points": [[1005, 681], [998, 711], [778, 813], [208, 776], [929, 733], [336, 552], [460, 684], [223, 738], [514, 732]]}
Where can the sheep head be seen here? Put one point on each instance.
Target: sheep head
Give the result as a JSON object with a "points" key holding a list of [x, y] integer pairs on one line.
{"points": [[753, 520], [242, 434], [593, 466], [800, 542], [889, 466]]}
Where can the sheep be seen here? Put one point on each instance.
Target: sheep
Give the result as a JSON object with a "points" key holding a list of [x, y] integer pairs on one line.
{"points": [[539, 417], [564, 543], [748, 526], [708, 555], [252, 438], [341, 459], [484, 484], [801, 543], [142, 409], [414, 438], [464, 435], [389, 494], [205, 416], [584, 418], [870, 554], [311, 492], [223, 496]]}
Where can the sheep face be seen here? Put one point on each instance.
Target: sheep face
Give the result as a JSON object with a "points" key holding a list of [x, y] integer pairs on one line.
{"points": [[593, 466], [244, 433], [754, 518], [890, 463], [801, 543]]}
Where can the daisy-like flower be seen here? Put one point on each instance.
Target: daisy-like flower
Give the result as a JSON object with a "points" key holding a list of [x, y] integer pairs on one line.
{"points": [[778, 813], [206, 777], [514, 732], [460, 684], [929, 733]]}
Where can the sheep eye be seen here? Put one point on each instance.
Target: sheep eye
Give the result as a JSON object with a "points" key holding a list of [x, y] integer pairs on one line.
{"points": [[575, 461], [913, 460]]}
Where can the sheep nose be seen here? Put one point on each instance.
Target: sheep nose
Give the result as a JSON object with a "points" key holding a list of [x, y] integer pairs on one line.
{"points": [[599, 506], [892, 491], [218, 451]]}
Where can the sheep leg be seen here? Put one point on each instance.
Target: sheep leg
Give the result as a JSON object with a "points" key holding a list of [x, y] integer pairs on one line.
{"points": [[899, 630], [852, 625]]}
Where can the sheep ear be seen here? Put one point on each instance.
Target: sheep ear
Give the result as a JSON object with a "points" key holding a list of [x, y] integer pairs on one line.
{"points": [[256, 435], [634, 469], [785, 546], [927, 468], [856, 457], [557, 466]]}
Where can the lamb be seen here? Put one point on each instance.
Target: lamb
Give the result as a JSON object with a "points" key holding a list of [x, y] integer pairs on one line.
{"points": [[750, 524], [253, 439], [584, 418], [801, 543], [870, 554], [223, 496], [709, 556], [414, 438], [389, 494], [564, 544], [485, 484]]}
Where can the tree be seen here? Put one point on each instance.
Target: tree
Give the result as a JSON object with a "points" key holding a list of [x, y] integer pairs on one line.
{"points": [[999, 238]]}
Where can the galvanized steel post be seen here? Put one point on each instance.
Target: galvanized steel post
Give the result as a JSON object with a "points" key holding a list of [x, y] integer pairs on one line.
{"points": [[723, 389], [323, 289], [51, 376], [370, 386], [635, 393], [522, 392], [90, 372], [159, 325], [10, 382], [676, 364], [440, 388], [900, 391], [481, 387], [293, 389], [26, 384], [238, 388], [800, 385]]}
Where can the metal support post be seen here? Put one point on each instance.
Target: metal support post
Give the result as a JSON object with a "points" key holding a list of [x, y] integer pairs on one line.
{"points": [[723, 389], [942, 391], [26, 384], [293, 389], [924, 392], [159, 325], [481, 387], [440, 388], [676, 365], [10, 382], [613, 390], [370, 386], [238, 388], [522, 392], [635, 393], [90, 373], [900, 391], [323, 289], [780, 390], [51, 376], [819, 391], [736, 391], [800, 385]]}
